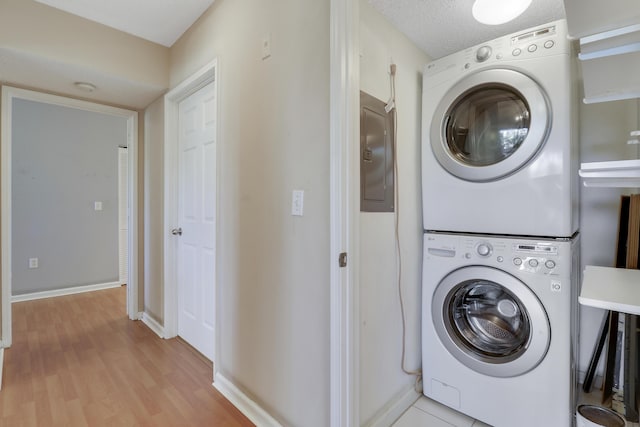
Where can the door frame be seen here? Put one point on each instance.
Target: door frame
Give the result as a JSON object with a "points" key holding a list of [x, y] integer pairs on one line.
{"points": [[122, 200], [10, 93], [204, 76], [344, 208]]}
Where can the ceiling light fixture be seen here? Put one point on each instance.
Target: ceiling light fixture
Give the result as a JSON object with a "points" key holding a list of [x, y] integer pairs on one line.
{"points": [[496, 12], [85, 87]]}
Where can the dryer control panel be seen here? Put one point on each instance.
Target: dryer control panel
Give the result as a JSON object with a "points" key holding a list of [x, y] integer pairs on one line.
{"points": [[536, 42]]}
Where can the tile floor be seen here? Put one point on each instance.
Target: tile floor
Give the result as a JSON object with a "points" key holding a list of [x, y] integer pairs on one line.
{"points": [[428, 413]]}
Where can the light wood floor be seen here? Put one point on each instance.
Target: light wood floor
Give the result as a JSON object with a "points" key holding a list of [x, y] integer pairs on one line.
{"points": [[79, 361]]}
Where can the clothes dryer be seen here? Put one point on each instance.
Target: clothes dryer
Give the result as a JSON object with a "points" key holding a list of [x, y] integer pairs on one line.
{"points": [[499, 150], [499, 327]]}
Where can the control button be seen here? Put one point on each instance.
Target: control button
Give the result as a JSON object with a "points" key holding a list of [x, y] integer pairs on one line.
{"points": [[484, 249], [549, 44], [532, 48], [499, 56], [517, 261], [467, 255], [533, 262], [550, 264], [500, 259], [516, 52], [483, 53], [466, 66]]}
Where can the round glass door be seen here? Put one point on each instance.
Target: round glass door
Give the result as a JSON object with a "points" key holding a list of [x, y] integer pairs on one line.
{"points": [[490, 125], [486, 125], [490, 321]]}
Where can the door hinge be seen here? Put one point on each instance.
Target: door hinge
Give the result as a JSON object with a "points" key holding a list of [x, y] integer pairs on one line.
{"points": [[342, 259]]}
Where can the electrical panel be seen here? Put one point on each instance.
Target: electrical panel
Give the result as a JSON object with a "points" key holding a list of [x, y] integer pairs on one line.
{"points": [[376, 156]]}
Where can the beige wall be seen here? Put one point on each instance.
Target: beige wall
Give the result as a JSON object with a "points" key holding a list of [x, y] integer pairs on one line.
{"points": [[273, 138], [152, 210], [381, 376], [47, 33]]}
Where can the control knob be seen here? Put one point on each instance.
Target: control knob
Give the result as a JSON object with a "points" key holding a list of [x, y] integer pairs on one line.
{"points": [[484, 249], [483, 53]]}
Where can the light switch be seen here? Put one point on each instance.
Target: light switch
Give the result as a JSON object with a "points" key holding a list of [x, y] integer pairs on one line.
{"points": [[33, 262], [97, 206], [297, 203]]}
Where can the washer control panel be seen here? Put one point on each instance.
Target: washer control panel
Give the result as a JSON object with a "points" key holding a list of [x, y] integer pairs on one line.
{"points": [[535, 257], [530, 256]]}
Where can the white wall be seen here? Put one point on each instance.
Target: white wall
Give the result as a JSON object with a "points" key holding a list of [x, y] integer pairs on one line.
{"points": [[604, 131], [153, 210], [273, 138], [63, 160], [381, 377]]}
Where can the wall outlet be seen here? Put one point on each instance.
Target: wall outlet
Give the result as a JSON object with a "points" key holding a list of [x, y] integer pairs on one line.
{"points": [[97, 206], [33, 262]]}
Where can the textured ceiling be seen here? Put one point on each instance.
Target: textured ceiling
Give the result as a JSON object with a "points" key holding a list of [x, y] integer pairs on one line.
{"points": [[442, 27], [159, 21]]}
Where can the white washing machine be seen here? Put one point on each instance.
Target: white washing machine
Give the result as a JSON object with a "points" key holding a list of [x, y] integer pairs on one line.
{"points": [[499, 151], [499, 327]]}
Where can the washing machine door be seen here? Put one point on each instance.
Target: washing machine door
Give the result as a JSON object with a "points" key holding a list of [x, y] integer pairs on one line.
{"points": [[490, 124], [490, 321]]}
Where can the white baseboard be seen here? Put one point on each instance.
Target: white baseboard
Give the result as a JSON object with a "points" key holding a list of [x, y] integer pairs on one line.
{"points": [[393, 410], [153, 324], [248, 407], [64, 291]]}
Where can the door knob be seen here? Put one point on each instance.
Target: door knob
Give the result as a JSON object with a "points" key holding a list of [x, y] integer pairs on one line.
{"points": [[177, 231]]}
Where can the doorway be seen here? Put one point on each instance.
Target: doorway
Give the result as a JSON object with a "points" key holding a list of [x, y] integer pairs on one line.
{"points": [[13, 98], [191, 205]]}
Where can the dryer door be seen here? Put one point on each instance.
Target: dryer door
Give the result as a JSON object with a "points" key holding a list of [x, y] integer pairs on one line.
{"points": [[489, 125], [490, 321]]}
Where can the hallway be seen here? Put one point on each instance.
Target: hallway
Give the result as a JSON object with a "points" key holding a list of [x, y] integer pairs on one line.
{"points": [[79, 361]]}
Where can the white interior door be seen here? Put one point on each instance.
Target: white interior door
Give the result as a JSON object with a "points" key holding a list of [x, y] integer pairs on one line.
{"points": [[197, 219]]}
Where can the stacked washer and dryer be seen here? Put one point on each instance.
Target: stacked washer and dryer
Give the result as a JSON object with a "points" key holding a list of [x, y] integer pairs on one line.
{"points": [[500, 213]]}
